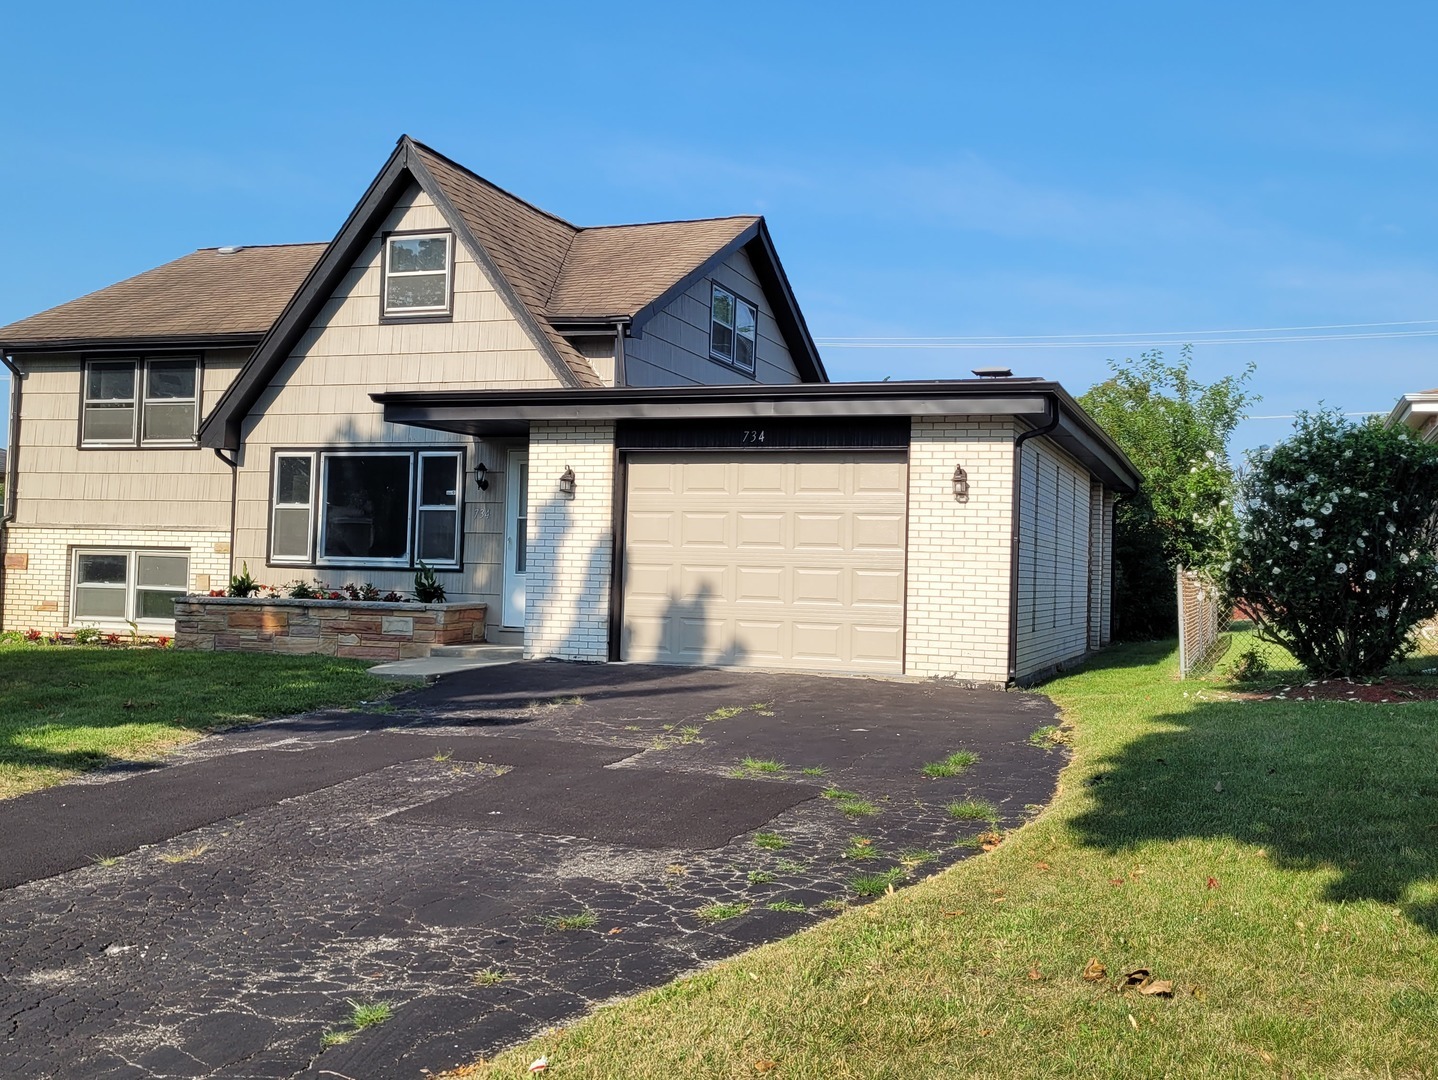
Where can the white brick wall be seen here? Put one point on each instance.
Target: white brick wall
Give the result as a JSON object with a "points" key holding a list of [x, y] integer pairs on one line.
{"points": [[38, 597], [958, 562], [571, 541]]}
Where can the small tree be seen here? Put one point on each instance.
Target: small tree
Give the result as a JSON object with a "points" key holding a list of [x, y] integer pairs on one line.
{"points": [[1175, 429], [1335, 541]]}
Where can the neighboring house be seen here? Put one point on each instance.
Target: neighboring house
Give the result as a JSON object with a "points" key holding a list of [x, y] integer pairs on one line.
{"points": [[622, 439], [1419, 412]]}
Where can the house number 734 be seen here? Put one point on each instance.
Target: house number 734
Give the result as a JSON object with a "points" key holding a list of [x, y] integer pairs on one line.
{"points": [[752, 437]]}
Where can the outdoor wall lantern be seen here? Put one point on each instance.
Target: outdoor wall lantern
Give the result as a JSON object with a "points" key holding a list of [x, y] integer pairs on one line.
{"points": [[961, 484], [479, 480], [566, 482]]}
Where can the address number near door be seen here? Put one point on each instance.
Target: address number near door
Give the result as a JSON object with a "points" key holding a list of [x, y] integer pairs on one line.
{"points": [[752, 437]]}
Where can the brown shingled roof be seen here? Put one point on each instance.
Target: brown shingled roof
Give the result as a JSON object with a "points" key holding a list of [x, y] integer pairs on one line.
{"points": [[202, 295]]}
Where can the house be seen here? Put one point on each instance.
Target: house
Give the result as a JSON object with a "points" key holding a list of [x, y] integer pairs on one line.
{"points": [[621, 439], [1418, 412]]}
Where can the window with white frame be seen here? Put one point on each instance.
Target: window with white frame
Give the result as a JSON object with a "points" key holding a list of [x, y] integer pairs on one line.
{"points": [[418, 268], [148, 402], [733, 328], [366, 508], [139, 585]]}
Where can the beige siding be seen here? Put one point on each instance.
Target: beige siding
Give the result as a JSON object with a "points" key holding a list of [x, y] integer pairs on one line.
{"points": [[1054, 550], [62, 485], [958, 556], [319, 398], [673, 348]]}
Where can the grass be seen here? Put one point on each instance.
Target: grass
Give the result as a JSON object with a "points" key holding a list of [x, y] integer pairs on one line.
{"points": [[761, 877], [67, 709], [861, 847], [762, 765], [957, 762], [1295, 911], [850, 803], [770, 841], [813, 770], [973, 810], [362, 1015], [875, 884], [187, 855], [785, 905], [488, 977], [1049, 737], [577, 920], [719, 912]]}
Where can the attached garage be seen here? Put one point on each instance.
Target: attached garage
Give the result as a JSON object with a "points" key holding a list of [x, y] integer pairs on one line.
{"points": [[772, 558]]}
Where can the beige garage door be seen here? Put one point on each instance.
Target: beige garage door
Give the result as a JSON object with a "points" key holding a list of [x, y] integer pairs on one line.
{"points": [[778, 559]]}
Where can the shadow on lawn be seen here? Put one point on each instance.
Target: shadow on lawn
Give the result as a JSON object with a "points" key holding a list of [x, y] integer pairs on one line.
{"points": [[1348, 788]]}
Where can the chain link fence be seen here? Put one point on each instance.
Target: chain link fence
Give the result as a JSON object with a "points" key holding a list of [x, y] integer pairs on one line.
{"points": [[1200, 624]]}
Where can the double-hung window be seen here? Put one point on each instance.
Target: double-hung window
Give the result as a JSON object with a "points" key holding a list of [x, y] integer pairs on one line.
{"points": [[366, 508], [136, 585], [418, 273], [150, 402], [733, 328]]}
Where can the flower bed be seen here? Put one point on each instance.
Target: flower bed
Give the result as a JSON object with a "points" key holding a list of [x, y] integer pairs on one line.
{"points": [[364, 629]]}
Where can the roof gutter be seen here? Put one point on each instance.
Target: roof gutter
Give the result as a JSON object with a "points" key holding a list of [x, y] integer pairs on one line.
{"points": [[1052, 415], [11, 467]]}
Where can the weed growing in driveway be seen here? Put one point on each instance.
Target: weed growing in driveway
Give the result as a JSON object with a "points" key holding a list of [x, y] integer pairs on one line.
{"points": [[762, 765], [861, 847], [442, 755], [813, 770], [760, 877], [839, 794], [916, 858], [363, 1015], [719, 912], [973, 810], [790, 866], [488, 977], [952, 765], [785, 905], [856, 808], [770, 841], [186, 855], [1049, 736], [579, 920], [550, 704], [724, 712], [762, 708], [835, 904], [875, 884], [105, 860]]}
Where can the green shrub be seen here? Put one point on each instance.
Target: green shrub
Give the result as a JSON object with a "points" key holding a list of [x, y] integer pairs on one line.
{"points": [[1334, 548], [427, 587], [87, 635], [242, 584]]}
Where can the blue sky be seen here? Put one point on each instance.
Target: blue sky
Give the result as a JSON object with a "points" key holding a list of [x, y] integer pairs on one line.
{"points": [[1138, 173]]}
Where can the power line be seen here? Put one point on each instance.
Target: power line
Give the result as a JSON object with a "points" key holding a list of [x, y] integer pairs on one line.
{"points": [[949, 338], [907, 343]]}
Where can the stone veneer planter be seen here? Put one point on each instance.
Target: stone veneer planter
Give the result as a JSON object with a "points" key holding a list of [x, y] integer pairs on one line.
{"points": [[364, 629]]}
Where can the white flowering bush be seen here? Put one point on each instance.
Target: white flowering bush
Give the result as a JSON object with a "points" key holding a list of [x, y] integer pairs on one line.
{"points": [[1334, 544]]}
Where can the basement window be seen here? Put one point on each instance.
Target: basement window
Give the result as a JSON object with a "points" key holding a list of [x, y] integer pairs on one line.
{"points": [[418, 273], [118, 586], [733, 329]]}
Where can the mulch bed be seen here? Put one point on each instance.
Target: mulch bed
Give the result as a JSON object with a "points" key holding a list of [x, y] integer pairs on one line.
{"points": [[1381, 692]]}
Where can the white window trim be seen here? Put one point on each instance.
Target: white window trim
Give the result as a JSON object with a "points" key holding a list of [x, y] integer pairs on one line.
{"points": [[456, 508], [275, 505], [389, 272], [130, 587], [137, 402], [321, 559], [732, 360]]}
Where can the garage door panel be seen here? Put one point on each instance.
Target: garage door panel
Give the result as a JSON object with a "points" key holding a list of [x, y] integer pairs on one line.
{"points": [[783, 559]]}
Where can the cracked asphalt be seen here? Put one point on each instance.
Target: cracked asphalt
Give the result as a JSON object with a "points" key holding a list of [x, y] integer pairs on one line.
{"points": [[218, 915]]}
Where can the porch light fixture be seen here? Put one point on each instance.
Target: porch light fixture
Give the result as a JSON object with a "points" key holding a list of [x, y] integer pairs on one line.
{"points": [[479, 480], [566, 482], [961, 484]]}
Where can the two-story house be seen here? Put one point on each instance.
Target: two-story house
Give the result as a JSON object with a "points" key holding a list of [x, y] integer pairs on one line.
{"points": [[622, 439]]}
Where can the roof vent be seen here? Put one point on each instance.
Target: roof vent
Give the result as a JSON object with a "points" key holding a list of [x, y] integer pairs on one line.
{"points": [[230, 250], [993, 373]]}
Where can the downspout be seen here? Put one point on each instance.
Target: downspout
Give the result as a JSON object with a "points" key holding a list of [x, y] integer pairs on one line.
{"points": [[12, 468], [1050, 421], [234, 464], [621, 377]]}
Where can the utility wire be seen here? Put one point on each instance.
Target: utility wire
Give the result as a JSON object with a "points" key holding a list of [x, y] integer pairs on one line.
{"points": [[1134, 333]]}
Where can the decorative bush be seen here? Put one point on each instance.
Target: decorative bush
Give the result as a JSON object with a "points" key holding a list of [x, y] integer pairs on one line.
{"points": [[1334, 547], [427, 587]]}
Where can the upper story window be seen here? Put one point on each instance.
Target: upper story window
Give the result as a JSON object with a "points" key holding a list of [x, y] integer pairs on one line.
{"points": [[733, 329], [418, 274], [149, 402]]}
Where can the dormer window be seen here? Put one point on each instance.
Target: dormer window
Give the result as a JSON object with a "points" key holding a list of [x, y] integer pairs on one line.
{"points": [[733, 329], [418, 274]]}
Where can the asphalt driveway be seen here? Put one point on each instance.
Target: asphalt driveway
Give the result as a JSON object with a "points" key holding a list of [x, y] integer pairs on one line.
{"points": [[489, 856]]}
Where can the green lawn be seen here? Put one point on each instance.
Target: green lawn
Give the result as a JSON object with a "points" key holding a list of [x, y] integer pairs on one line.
{"points": [[63, 708], [1276, 861]]}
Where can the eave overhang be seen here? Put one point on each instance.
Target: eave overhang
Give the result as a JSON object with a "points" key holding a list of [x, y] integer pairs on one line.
{"points": [[508, 413]]}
